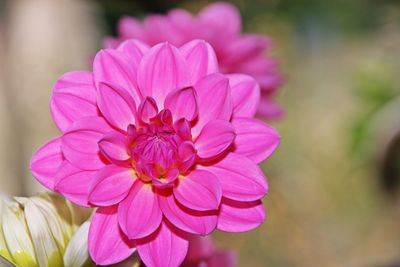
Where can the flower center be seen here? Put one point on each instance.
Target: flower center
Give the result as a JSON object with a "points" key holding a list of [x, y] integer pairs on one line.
{"points": [[161, 150]]}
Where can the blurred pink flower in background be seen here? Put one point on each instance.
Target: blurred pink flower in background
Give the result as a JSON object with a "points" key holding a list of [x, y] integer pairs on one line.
{"points": [[203, 253], [163, 144], [220, 25]]}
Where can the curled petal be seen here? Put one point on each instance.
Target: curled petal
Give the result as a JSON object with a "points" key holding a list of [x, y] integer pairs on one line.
{"points": [[80, 143], [165, 248], [74, 183], [245, 95], [191, 221], [255, 139], [114, 146], [140, 200], [107, 244], [238, 216], [201, 59], [111, 185], [162, 70], [45, 163], [200, 190], [182, 103], [215, 137], [73, 98], [148, 109], [241, 179]]}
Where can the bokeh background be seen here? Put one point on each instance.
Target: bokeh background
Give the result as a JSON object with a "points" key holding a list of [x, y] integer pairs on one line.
{"points": [[335, 180]]}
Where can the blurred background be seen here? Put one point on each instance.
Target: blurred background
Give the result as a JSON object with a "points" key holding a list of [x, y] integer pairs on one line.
{"points": [[334, 182]]}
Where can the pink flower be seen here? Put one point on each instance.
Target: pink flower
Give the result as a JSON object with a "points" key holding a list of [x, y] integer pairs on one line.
{"points": [[163, 144], [220, 25], [203, 253]]}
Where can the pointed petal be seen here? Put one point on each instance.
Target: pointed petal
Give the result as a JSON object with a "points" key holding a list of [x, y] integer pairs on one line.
{"points": [[77, 253], [111, 185], [73, 98], [213, 89], [73, 183], [107, 244], [191, 221], [215, 137], [238, 216], [201, 59], [162, 70], [45, 163], [141, 200], [113, 67], [116, 105], [148, 109], [114, 146], [165, 248], [241, 179], [133, 50], [211, 16], [255, 139], [182, 103], [245, 95], [200, 190], [80, 143]]}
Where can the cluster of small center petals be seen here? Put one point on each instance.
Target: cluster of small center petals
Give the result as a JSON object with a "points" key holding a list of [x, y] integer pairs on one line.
{"points": [[160, 149]]}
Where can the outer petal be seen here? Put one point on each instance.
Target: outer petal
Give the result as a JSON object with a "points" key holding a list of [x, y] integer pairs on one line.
{"points": [[215, 137], [182, 103], [116, 105], [165, 248], [111, 185], [143, 202], [107, 244], [214, 100], [200, 190], [45, 163], [129, 27], [201, 59], [223, 258], [270, 110], [76, 253], [200, 248], [237, 216], [74, 97], [255, 139], [80, 143], [113, 67], [241, 179], [245, 95], [74, 183], [114, 146], [133, 50], [191, 221], [211, 16], [162, 70]]}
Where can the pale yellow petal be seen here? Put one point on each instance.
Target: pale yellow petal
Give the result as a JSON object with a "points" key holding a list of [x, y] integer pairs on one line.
{"points": [[76, 254]]}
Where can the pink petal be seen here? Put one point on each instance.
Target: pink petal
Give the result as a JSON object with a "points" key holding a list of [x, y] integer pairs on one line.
{"points": [[182, 103], [139, 214], [270, 110], [45, 163], [201, 59], [241, 179], [74, 183], [237, 216], [114, 146], [129, 27], [255, 139], [162, 70], [222, 17], [80, 143], [116, 105], [200, 248], [200, 190], [215, 137], [133, 50], [223, 258], [73, 98], [190, 221], [111, 185], [245, 95], [166, 248], [113, 67], [148, 109], [107, 244], [110, 42], [214, 89]]}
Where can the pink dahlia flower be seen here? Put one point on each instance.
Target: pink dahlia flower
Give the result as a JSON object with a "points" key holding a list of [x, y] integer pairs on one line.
{"points": [[220, 25], [203, 253], [163, 144]]}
